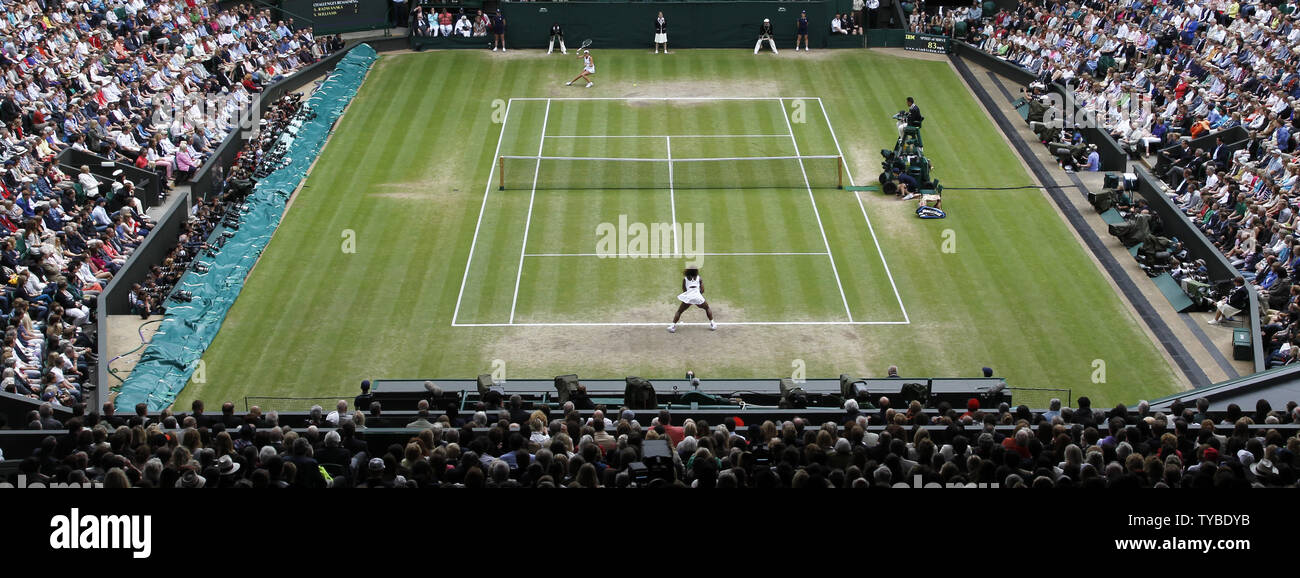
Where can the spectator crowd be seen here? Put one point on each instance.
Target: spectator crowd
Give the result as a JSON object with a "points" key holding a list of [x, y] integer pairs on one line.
{"points": [[1152, 73], [1156, 75], [504, 443], [157, 84], [443, 22]]}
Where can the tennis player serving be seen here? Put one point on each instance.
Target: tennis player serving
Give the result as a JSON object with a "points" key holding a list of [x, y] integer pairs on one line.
{"points": [[692, 294], [588, 68]]}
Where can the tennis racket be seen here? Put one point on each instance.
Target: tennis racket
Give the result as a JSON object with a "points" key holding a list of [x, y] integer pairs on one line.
{"points": [[585, 43]]}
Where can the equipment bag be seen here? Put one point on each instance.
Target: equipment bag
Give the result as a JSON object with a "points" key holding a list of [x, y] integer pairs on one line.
{"points": [[930, 213]]}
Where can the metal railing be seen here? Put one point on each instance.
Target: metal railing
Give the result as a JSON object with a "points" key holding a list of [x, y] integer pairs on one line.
{"points": [[283, 404], [1039, 398]]}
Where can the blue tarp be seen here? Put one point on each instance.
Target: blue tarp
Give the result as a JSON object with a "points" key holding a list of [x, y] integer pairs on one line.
{"points": [[188, 329]]}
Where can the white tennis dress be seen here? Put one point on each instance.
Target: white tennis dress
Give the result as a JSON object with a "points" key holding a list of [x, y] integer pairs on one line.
{"points": [[692, 295], [590, 67]]}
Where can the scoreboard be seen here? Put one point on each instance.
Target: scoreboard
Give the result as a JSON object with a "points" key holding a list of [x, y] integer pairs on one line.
{"points": [[333, 16], [925, 42]]}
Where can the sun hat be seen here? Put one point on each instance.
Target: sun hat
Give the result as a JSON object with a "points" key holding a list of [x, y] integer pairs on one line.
{"points": [[227, 466]]}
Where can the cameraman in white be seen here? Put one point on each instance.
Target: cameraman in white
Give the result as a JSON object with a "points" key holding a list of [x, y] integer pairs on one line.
{"points": [[463, 26]]}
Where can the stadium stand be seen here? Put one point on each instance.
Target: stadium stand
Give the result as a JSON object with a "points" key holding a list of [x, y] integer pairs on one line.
{"points": [[105, 104], [487, 440], [508, 442], [1217, 82]]}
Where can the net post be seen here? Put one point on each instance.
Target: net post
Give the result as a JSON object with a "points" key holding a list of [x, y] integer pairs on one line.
{"points": [[501, 173], [839, 172]]}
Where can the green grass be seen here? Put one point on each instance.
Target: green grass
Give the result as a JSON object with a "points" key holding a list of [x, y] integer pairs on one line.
{"points": [[406, 172]]}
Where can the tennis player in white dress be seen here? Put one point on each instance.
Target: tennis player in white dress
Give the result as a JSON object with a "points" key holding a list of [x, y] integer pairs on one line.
{"points": [[588, 68], [692, 294]]}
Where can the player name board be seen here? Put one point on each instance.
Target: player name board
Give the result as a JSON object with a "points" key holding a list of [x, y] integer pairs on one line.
{"points": [[332, 16], [925, 42]]}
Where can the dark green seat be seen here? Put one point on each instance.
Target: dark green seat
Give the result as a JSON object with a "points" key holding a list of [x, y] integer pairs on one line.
{"points": [[1242, 347]]}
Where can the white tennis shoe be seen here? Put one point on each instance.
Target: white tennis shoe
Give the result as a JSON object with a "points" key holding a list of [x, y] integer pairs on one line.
{"points": [[589, 84], [712, 325], [672, 328]]}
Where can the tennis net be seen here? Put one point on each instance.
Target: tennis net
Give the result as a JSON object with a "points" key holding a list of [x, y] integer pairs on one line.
{"points": [[780, 172]]}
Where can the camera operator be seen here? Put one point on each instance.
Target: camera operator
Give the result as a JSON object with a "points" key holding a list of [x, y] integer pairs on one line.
{"points": [[1068, 156]]}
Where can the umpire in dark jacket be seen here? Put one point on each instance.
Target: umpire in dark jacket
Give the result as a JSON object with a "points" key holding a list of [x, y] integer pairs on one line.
{"points": [[913, 117]]}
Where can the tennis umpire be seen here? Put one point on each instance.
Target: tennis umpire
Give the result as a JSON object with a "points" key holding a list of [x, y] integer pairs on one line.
{"points": [[913, 117]]}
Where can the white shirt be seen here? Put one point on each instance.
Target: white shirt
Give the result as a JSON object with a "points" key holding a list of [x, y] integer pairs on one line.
{"points": [[89, 183]]}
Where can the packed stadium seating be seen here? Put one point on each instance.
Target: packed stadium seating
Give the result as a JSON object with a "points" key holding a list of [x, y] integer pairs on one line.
{"points": [[97, 69], [105, 104], [1216, 83], [499, 442]]}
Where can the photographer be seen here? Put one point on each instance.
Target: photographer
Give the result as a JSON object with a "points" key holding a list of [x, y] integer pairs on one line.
{"points": [[1068, 156], [464, 28]]}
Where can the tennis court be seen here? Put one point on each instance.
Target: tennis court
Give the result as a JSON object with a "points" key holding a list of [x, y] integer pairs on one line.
{"points": [[404, 250], [614, 197]]}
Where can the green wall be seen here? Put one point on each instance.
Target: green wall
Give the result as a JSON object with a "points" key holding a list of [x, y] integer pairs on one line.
{"points": [[690, 24]]}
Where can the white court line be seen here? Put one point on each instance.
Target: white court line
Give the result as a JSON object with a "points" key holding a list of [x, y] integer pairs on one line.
{"points": [[529, 221], [872, 230], [486, 191], [661, 324], [672, 196], [678, 160], [488, 188], [674, 255], [579, 98], [816, 213], [666, 136]]}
